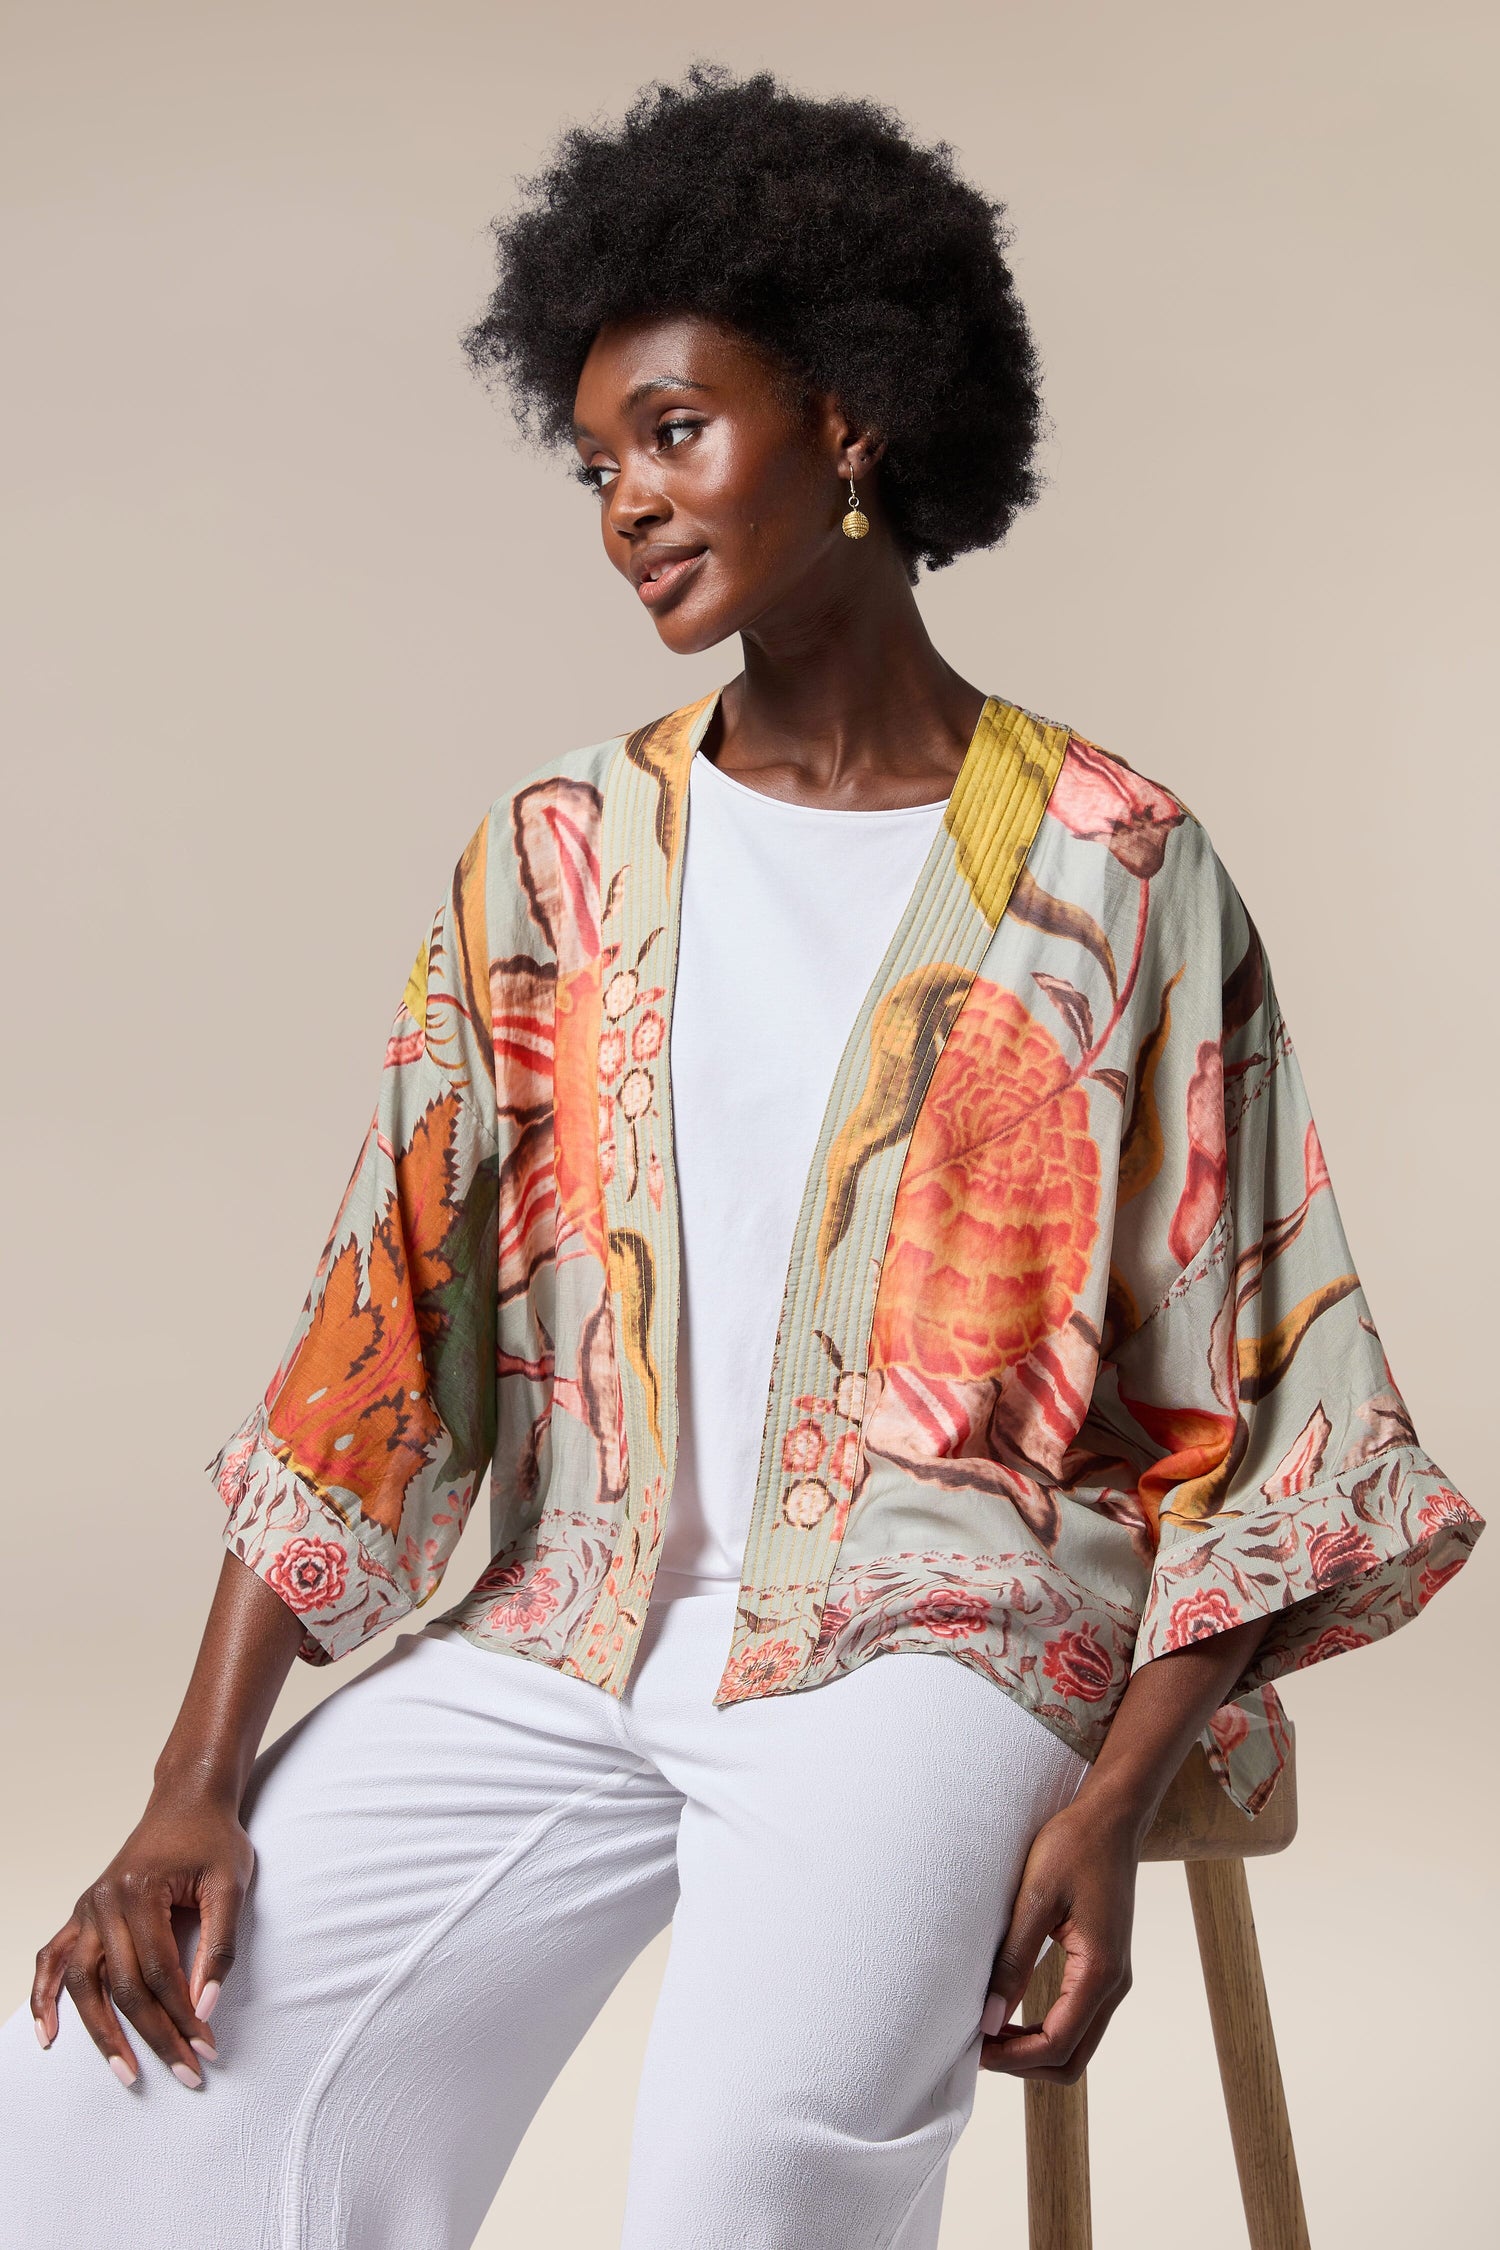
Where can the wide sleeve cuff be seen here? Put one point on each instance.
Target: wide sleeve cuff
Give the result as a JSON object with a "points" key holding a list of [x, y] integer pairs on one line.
{"points": [[293, 1537], [1336, 1566]]}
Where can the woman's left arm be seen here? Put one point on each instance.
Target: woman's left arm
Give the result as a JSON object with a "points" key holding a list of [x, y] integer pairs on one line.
{"points": [[1078, 1884]]}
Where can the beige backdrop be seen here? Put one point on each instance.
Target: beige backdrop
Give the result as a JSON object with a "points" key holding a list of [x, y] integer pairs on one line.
{"points": [[289, 609]]}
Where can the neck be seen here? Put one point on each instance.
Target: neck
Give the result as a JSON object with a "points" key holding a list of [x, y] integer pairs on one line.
{"points": [[845, 701]]}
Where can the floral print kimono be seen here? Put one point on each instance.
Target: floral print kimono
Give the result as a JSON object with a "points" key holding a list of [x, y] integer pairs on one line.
{"points": [[1073, 1365]]}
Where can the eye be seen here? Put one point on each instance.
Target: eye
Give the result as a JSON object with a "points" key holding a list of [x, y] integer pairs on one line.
{"points": [[594, 474], [672, 433]]}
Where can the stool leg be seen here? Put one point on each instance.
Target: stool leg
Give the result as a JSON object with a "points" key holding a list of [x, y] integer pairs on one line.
{"points": [[1057, 2138], [1253, 2096]]}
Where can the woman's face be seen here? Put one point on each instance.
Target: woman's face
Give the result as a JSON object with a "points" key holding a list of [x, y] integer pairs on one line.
{"points": [[720, 498]]}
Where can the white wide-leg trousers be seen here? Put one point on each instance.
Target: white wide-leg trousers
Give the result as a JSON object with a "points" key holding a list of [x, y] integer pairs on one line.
{"points": [[460, 1852]]}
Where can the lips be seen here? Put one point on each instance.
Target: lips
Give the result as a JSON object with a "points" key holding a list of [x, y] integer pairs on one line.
{"points": [[659, 572]]}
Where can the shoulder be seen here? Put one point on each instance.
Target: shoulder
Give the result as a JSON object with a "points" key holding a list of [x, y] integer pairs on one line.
{"points": [[1145, 825], [578, 778], [579, 773], [1099, 798], [1129, 845], [534, 864]]}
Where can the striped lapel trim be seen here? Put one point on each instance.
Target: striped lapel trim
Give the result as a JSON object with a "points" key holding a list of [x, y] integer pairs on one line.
{"points": [[817, 1381], [814, 1417]]}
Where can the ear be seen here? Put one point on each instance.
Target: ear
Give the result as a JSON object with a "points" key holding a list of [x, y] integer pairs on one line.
{"points": [[854, 447], [859, 450]]}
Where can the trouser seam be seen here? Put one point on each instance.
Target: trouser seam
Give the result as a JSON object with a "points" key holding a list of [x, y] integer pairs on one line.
{"points": [[327, 2066]]}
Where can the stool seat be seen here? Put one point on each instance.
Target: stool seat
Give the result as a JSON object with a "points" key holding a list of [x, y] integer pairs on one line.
{"points": [[1199, 1824], [1198, 1819]]}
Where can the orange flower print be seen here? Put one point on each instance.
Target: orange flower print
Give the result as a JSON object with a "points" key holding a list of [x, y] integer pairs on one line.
{"points": [[1197, 1617], [831, 1626], [1339, 1552], [1334, 1640], [803, 1447], [806, 1502], [621, 993], [951, 1614], [1443, 1509], [760, 1671], [524, 1604], [815, 1458], [647, 1037], [636, 1094], [1430, 1582], [843, 1461], [1078, 1665], [996, 1214], [1229, 1726], [308, 1573], [849, 1394], [234, 1461]]}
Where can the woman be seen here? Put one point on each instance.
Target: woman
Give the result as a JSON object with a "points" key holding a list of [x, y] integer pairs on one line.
{"points": [[973, 1289]]}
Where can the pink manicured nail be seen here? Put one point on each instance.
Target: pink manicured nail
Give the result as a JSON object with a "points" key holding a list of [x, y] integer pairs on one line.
{"points": [[122, 2070], [203, 2048], [186, 2077], [42, 2034], [997, 2010], [209, 2001]]}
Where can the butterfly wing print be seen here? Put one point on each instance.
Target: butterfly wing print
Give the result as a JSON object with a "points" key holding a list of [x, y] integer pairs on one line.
{"points": [[907, 1028], [633, 1278], [661, 751]]}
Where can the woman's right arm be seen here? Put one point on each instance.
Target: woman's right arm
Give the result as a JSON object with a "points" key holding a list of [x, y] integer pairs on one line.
{"points": [[117, 1953], [345, 1492]]}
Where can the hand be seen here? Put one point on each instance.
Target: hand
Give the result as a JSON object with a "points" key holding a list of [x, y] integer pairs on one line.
{"points": [[118, 1954], [1078, 1888]]}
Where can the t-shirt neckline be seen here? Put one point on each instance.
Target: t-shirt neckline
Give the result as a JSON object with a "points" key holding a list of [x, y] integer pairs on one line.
{"points": [[778, 805]]}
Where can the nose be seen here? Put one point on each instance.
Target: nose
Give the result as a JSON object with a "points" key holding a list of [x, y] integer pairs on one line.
{"points": [[635, 501]]}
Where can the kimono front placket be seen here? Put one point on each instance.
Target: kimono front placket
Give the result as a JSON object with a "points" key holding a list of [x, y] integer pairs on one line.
{"points": [[815, 1403]]}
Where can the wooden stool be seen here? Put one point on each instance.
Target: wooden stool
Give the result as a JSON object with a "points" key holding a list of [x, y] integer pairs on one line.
{"points": [[1198, 1824]]}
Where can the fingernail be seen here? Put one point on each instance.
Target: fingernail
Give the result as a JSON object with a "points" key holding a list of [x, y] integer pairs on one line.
{"points": [[43, 2037], [209, 2001], [122, 2070], [997, 2010], [204, 2047], [184, 2076]]}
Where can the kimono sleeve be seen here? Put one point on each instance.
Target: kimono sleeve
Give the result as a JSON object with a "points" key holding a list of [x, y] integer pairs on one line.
{"points": [[1287, 1478], [349, 1482]]}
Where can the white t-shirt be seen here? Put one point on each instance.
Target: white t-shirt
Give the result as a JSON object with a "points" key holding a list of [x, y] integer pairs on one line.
{"points": [[787, 911]]}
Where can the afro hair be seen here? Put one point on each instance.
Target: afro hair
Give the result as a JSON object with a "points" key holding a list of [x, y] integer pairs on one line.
{"points": [[857, 259]]}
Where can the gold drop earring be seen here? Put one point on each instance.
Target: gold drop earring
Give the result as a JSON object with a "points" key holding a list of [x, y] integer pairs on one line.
{"points": [[856, 522]]}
